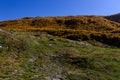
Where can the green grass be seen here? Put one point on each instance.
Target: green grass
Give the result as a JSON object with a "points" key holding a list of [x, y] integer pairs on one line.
{"points": [[48, 56]]}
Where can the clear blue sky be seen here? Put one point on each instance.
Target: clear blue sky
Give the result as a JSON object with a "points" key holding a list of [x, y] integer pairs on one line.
{"points": [[12, 9]]}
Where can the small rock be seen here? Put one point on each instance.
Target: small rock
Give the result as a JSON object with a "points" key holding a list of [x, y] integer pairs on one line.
{"points": [[1, 78], [48, 78], [70, 41], [49, 44], [80, 43], [35, 76], [0, 30], [32, 60], [0, 46], [88, 44], [56, 79]]}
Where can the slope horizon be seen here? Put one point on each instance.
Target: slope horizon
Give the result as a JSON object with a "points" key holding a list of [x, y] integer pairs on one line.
{"points": [[15, 18]]}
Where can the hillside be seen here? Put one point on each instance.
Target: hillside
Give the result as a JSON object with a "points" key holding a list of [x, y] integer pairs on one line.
{"points": [[60, 48], [93, 23], [40, 56], [95, 28]]}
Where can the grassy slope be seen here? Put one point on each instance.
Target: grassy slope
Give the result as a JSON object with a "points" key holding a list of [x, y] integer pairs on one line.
{"points": [[95, 28], [38, 56], [93, 23]]}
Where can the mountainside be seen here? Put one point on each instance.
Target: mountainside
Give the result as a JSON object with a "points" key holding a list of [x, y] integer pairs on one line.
{"points": [[75, 22], [40, 56], [60, 48], [95, 28]]}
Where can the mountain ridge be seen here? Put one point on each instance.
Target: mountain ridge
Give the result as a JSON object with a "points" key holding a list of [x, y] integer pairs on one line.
{"points": [[114, 17]]}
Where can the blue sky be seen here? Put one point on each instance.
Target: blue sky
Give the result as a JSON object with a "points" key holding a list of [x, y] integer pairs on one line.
{"points": [[12, 9]]}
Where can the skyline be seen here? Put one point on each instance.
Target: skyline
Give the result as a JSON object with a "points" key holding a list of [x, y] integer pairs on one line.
{"points": [[13, 9]]}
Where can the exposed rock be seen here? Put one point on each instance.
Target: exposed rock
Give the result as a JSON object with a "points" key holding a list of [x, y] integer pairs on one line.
{"points": [[35, 76], [0, 46], [70, 41], [57, 77], [81, 43], [48, 78], [32, 59], [0, 30]]}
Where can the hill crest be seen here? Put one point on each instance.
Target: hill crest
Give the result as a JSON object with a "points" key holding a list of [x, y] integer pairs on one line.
{"points": [[96, 28]]}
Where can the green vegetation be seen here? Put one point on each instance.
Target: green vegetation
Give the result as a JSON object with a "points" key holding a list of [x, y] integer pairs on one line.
{"points": [[60, 48], [43, 56]]}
